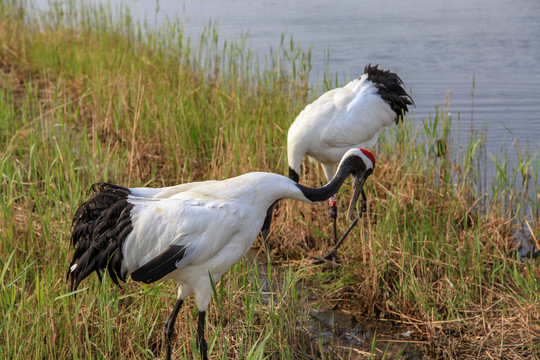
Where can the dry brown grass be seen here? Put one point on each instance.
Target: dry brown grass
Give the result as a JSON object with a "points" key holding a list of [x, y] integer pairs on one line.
{"points": [[425, 258]]}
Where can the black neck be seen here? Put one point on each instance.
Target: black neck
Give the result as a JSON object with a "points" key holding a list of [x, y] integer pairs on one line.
{"points": [[352, 165], [293, 175]]}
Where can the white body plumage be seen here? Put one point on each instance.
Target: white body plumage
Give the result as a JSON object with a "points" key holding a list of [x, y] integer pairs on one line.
{"points": [[216, 221], [191, 233], [343, 118]]}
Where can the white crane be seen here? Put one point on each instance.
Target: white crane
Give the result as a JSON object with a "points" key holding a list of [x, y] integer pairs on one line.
{"points": [[341, 119], [191, 233]]}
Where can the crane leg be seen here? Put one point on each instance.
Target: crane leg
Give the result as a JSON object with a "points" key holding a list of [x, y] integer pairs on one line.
{"points": [[201, 341], [331, 256], [169, 326], [332, 202], [333, 215]]}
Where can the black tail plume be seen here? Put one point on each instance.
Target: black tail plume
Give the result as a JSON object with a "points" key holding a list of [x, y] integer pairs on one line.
{"points": [[390, 88], [100, 226]]}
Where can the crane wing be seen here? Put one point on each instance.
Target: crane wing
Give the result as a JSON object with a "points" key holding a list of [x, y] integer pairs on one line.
{"points": [[169, 234], [356, 120], [161, 265]]}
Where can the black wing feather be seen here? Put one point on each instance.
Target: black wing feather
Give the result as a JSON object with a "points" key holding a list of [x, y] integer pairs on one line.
{"points": [[162, 265]]}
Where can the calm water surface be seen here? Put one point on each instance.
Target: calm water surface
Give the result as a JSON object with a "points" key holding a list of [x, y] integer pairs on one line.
{"points": [[434, 45]]}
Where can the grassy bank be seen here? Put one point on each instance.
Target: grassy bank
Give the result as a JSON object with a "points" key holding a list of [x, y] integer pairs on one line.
{"points": [[84, 98]]}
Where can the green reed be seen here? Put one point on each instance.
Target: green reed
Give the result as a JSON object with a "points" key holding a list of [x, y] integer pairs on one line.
{"points": [[86, 97]]}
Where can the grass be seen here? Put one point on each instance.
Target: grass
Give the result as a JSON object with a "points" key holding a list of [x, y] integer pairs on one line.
{"points": [[84, 98]]}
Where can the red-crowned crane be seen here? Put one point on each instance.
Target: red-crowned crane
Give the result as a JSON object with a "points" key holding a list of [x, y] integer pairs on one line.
{"points": [[341, 119], [191, 233]]}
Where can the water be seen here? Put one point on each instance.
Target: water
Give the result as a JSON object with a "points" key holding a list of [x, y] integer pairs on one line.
{"points": [[489, 48], [335, 331], [434, 45], [352, 336]]}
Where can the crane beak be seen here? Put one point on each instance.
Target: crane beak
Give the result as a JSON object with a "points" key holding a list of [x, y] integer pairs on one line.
{"points": [[357, 190]]}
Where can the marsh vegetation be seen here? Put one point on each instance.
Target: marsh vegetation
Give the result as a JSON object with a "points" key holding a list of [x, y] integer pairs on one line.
{"points": [[84, 98]]}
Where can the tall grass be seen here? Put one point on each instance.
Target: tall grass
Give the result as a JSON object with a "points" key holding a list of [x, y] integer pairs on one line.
{"points": [[85, 97]]}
